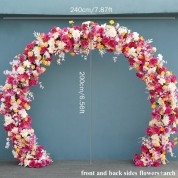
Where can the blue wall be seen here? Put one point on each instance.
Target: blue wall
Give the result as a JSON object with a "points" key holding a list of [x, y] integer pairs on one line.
{"points": [[58, 7], [121, 111]]}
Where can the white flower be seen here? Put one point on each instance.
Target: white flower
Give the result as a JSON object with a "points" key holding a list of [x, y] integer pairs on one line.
{"points": [[123, 30], [111, 32], [76, 34], [61, 45], [165, 120], [132, 52], [151, 70], [47, 54], [160, 57], [160, 101], [15, 154], [36, 51], [24, 133], [14, 130], [51, 42], [165, 139], [20, 70], [26, 162], [55, 35], [172, 87], [23, 113], [14, 106], [27, 63], [8, 119], [162, 81], [135, 36], [155, 140]]}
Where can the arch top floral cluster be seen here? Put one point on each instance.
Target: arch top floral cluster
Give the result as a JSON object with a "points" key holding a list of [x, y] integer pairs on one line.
{"points": [[15, 95]]}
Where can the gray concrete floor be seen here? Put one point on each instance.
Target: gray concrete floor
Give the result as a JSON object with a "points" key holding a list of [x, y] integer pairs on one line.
{"points": [[73, 169]]}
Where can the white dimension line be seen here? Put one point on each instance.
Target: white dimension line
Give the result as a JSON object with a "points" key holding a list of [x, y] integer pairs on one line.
{"points": [[90, 58], [89, 17]]}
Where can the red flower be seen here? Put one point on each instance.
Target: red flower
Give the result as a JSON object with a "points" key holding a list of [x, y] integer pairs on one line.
{"points": [[156, 163], [152, 100], [30, 45], [32, 59], [173, 78], [168, 111], [84, 26], [84, 43], [105, 40], [139, 163], [144, 149], [112, 43], [153, 61], [148, 131], [43, 50], [139, 75], [137, 157], [9, 127], [53, 30], [131, 61], [100, 31]]}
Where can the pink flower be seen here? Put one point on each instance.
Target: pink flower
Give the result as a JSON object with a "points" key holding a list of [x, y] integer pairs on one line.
{"points": [[168, 110], [152, 100], [139, 163], [53, 30], [173, 78], [137, 157], [153, 61]]}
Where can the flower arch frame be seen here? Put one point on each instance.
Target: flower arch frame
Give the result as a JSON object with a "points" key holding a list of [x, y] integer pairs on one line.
{"points": [[15, 95]]}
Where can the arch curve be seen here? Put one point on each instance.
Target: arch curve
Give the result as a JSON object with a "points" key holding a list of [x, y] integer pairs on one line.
{"points": [[15, 95]]}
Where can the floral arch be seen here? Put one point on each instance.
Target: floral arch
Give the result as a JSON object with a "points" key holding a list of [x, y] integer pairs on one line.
{"points": [[15, 95]]}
